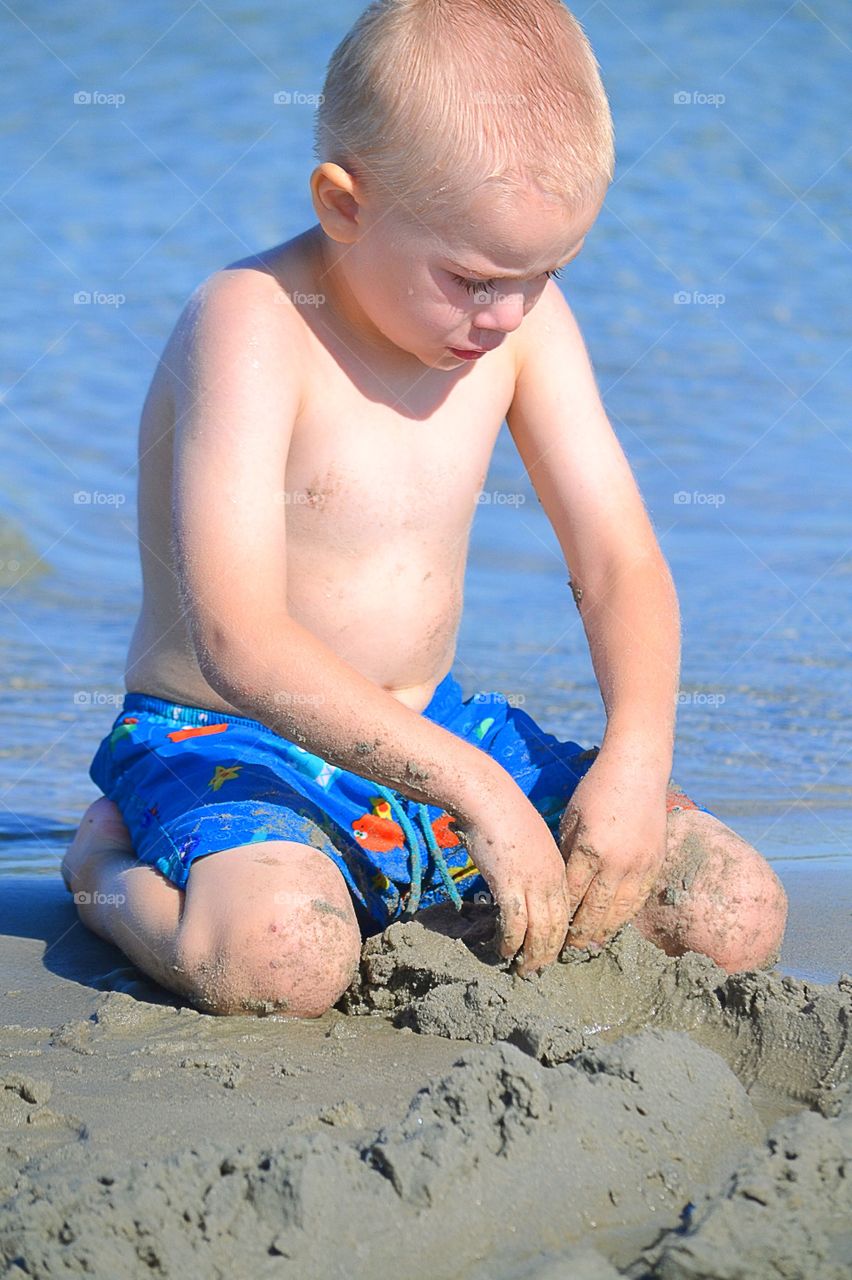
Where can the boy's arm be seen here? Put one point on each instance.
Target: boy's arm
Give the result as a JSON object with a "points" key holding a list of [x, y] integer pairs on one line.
{"points": [[628, 605], [620, 580]]}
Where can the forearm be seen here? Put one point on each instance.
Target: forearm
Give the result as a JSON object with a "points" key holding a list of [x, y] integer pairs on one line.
{"points": [[300, 688], [632, 622]]}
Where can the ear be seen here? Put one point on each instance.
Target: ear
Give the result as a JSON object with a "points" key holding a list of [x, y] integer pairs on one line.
{"points": [[337, 202]]}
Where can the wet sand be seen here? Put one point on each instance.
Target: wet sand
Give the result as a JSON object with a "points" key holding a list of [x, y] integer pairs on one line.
{"points": [[619, 1114]]}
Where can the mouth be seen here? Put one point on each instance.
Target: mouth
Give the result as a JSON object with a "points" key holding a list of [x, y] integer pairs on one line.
{"points": [[467, 353]]}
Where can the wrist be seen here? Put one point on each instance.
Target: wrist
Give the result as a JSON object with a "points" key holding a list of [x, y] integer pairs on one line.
{"points": [[634, 745], [488, 795]]}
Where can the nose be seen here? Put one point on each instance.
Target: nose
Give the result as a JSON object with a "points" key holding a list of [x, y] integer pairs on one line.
{"points": [[502, 313]]}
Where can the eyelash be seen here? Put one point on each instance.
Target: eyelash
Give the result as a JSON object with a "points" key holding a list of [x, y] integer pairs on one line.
{"points": [[477, 286]]}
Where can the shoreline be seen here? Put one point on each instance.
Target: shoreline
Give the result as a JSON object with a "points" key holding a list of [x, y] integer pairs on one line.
{"points": [[501, 1127]]}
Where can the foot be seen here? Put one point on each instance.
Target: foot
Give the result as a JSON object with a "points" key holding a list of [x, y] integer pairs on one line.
{"points": [[102, 830]]}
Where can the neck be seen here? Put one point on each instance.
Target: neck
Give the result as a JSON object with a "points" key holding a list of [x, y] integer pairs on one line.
{"points": [[340, 297]]}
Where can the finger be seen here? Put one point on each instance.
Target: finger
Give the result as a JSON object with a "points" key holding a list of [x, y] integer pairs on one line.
{"points": [[568, 825], [591, 913], [580, 870], [511, 926], [626, 901], [547, 923]]}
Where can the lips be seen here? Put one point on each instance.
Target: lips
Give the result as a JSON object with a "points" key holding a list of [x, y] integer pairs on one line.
{"points": [[467, 353]]}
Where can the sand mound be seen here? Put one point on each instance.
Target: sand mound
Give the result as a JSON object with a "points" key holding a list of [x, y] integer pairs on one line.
{"points": [[438, 974], [606, 1117]]}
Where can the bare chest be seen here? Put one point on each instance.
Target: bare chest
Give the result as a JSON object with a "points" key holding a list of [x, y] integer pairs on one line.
{"points": [[371, 475]]}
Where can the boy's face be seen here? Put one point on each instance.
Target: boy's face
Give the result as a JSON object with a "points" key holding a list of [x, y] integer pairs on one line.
{"points": [[455, 288]]}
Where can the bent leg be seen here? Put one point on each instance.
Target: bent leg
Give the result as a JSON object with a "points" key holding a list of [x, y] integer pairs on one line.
{"points": [[716, 895], [261, 927]]}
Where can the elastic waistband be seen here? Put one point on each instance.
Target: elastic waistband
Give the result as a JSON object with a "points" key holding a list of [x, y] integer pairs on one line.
{"points": [[447, 695], [180, 713]]}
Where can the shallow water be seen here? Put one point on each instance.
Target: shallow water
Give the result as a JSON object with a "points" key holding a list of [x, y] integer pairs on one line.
{"points": [[736, 399]]}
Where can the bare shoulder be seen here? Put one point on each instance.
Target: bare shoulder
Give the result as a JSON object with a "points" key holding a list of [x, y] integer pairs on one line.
{"points": [[235, 303], [239, 314]]}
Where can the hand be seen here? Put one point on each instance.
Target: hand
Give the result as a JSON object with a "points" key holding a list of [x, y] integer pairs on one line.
{"points": [[613, 839], [510, 843]]}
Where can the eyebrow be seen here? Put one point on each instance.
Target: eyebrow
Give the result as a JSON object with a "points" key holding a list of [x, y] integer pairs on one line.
{"points": [[469, 271]]}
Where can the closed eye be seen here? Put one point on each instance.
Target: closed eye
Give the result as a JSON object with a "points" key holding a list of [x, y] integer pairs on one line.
{"points": [[485, 286]]}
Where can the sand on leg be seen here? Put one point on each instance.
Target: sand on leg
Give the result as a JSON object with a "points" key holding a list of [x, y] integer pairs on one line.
{"points": [[260, 928], [716, 894]]}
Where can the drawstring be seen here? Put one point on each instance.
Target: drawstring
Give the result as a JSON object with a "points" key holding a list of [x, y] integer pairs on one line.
{"points": [[431, 843]]}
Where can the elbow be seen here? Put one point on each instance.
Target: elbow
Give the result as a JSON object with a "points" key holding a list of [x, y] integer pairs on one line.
{"points": [[230, 658]]}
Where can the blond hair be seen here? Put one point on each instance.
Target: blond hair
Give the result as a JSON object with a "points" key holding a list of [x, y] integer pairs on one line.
{"points": [[426, 100]]}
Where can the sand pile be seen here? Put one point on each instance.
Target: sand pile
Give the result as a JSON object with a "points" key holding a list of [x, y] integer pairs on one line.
{"points": [[620, 1114]]}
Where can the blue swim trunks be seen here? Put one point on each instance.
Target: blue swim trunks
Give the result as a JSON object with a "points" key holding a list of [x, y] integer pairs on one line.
{"points": [[191, 782]]}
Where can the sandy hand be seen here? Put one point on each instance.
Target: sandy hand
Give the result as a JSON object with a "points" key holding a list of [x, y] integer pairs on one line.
{"points": [[511, 845]]}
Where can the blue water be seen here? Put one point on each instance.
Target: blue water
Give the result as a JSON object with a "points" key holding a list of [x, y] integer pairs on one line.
{"points": [[738, 398]]}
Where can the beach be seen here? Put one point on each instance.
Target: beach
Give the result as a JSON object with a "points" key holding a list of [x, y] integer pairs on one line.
{"points": [[623, 1114], [620, 1114]]}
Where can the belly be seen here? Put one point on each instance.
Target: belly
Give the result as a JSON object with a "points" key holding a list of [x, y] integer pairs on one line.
{"points": [[395, 621], [394, 618]]}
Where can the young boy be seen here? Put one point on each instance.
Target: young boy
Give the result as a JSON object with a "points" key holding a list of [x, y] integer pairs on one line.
{"points": [[311, 450]]}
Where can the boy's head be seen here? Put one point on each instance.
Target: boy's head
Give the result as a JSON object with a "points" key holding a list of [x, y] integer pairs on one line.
{"points": [[474, 133], [427, 100]]}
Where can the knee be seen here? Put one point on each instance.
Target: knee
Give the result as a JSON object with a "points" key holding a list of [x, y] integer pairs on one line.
{"points": [[740, 926], [296, 957], [753, 940], [719, 897]]}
